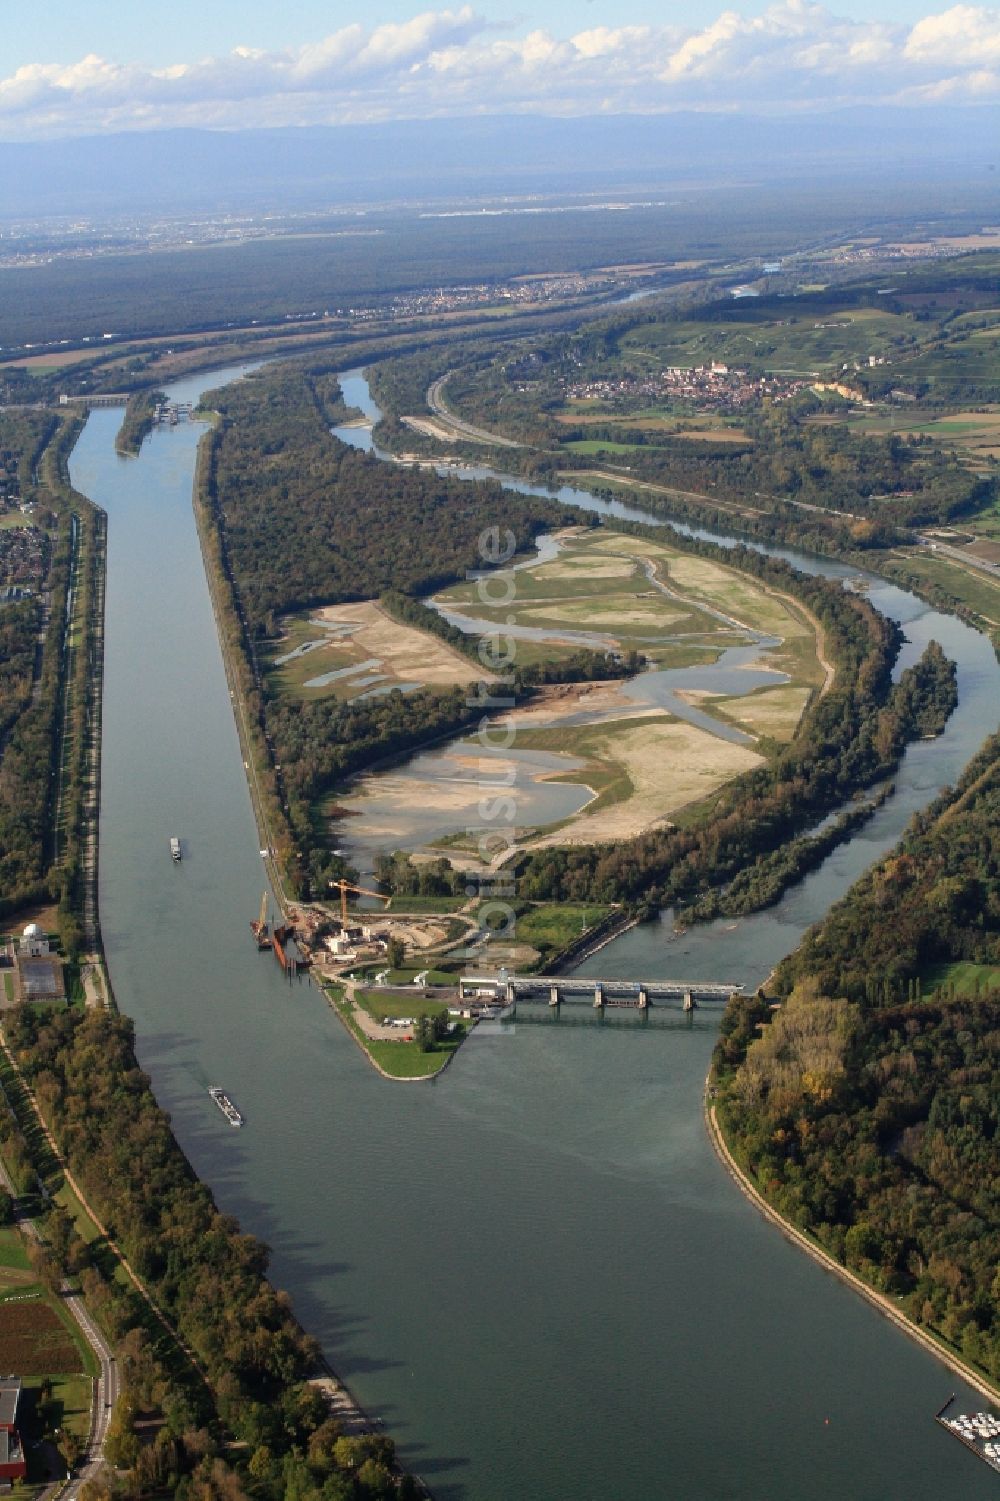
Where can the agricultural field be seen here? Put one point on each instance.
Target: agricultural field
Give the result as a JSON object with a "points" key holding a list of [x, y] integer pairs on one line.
{"points": [[34, 1340], [805, 342], [975, 434], [673, 420]]}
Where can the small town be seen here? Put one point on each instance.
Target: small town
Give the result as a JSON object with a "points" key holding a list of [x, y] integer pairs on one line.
{"points": [[715, 387]]}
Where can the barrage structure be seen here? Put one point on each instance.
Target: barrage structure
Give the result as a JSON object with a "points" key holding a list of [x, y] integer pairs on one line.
{"points": [[506, 990]]}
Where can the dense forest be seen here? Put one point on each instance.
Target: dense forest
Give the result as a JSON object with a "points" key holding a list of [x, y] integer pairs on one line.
{"points": [[865, 1105], [298, 276], [307, 519], [29, 683], [252, 1359], [140, 414], [50, 704]]}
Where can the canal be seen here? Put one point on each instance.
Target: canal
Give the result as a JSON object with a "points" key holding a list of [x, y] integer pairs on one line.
{"points": [[534, 1270]]}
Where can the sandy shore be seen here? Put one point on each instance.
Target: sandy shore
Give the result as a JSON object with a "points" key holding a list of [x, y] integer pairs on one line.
{"points": [[409, 654]]}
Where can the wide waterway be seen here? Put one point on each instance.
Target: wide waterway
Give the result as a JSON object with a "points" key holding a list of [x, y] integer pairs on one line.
{"points": [[535, 1269]]}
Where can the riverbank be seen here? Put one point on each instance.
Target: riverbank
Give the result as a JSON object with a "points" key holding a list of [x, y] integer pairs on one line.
{"points": [[593, 1131], [815, 1251], [397, 1060]]}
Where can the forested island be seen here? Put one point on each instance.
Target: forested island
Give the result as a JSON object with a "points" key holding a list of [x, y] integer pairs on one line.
{"points": [[856, 1088]]}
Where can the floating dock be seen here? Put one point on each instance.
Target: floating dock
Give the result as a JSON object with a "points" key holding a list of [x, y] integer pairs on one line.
{"points": [[979, 1431]]}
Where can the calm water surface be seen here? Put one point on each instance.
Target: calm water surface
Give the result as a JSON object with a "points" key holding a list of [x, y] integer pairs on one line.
{"points": [[534, 1269]]}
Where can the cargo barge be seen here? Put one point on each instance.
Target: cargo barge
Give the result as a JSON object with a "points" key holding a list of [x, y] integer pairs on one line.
{"points": [[979, 1431], [287, 952], [226, 1105]]}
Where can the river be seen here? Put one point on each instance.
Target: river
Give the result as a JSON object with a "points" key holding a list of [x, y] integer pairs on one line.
{"points": [[534, 1270]]}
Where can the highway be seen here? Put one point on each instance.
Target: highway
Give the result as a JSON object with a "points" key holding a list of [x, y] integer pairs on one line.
{"points": [[435, 403], [961, 556]]}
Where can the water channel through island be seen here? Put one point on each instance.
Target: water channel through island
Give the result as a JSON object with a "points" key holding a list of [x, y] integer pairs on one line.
{"points": [[535, 1270]]}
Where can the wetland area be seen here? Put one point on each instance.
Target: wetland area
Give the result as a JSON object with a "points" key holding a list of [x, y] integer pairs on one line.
{"points": [[535, 1270], [720, 662]]}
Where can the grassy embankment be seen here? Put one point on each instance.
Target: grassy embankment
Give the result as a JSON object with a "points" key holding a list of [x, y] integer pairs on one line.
{"points": [[401, 1059]]}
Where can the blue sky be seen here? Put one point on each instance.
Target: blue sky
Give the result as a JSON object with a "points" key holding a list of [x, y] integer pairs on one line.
{"points": [[111, 65]]}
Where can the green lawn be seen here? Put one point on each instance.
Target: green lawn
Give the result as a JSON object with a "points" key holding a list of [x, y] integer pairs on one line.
{"points": [[378, 1004], [973, 588], [12, 1250], [551, 926], [426, 904], [71, 1395], [966, 978], [402, 1060]]}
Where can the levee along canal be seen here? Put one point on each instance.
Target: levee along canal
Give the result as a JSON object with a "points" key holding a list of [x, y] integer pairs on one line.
{"points": [[535, 1270]]}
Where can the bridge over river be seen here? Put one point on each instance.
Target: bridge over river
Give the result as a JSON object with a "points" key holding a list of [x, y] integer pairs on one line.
{"points": [[506, 990]]}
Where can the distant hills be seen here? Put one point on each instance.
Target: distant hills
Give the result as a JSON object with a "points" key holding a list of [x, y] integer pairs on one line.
{"points": [[246, 171]]}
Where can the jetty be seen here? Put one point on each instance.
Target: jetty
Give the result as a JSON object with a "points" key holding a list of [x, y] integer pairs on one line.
{"points": [[979, 1432]]}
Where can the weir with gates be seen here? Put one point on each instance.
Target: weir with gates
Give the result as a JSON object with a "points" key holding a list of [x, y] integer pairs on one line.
{"points": [[636, 995]]}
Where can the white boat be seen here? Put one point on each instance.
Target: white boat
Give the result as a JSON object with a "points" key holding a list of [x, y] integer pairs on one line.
{"points": [[175, 849], [226, 1105]]}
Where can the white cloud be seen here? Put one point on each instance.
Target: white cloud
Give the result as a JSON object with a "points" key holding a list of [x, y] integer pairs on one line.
{"points": [[453, 61], [966, 35]]}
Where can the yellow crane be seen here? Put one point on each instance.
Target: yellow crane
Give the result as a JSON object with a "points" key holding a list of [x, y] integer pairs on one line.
{"points": [[259, 928], [346, 886]]}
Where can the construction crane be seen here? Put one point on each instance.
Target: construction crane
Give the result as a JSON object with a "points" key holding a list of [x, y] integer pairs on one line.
{"points": [[259, 928], [345, 887]]}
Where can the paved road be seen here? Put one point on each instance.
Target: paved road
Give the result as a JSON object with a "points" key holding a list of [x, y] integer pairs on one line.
{"points": [[961, 556], [106, 1391], [435, 402]]}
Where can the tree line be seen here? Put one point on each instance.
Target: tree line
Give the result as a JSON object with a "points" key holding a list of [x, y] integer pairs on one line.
{"points": [[206, 1276], [865, 1105]]}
